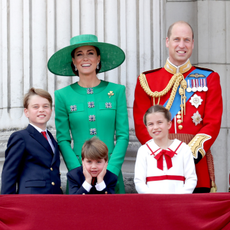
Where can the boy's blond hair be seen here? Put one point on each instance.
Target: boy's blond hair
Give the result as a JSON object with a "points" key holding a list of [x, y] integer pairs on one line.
{"points": [[94, 149], [40, 92]]}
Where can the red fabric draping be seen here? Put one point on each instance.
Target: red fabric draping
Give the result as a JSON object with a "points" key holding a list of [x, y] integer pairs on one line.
{"points": [[130, 211]]}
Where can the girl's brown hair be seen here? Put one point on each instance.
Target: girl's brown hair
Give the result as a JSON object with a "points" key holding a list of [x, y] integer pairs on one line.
{"points": [[159, 109]]}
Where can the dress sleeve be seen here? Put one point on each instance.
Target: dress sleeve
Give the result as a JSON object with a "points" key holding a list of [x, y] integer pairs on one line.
{"points": [[140, 172], [13, 164], [142, 102], [122, 133], [63, 133], [189, 171]]}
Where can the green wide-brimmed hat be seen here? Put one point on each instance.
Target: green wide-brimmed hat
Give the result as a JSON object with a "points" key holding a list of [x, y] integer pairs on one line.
{"points": [[111, 56]]}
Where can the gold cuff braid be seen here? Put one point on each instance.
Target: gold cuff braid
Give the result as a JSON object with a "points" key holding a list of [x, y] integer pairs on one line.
{"points": [[196, 144]]}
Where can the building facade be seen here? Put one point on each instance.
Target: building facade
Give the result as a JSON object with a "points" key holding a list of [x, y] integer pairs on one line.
{"points": [[31, 31]]}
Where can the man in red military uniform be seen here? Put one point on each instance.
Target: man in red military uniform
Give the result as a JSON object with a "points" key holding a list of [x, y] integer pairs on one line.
{"points": [[192, 94]]}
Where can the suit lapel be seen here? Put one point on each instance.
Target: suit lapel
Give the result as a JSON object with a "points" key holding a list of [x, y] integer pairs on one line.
{"points": [[39, 138], [56, 149]]}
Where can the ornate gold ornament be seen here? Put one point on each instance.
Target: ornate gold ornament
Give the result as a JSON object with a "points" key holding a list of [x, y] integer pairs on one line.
{"points": [[196, 75], [110, 93], [176, 80]]}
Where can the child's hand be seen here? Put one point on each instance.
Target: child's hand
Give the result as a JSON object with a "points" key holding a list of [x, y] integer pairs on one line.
{"points": [[86, 173], [101, 175]]}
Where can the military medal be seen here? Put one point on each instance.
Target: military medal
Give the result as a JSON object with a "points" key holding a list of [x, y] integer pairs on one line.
{"points": [[202, 84], [205, 88], [196, 100], [196, 118], [189, 89], [194, 86], [199, 85]]}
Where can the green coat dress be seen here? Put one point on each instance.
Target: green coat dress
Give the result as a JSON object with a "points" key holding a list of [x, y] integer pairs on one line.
{"points": [[86, 112]]}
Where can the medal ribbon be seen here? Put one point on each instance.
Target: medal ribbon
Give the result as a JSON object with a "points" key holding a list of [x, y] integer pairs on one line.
{"points": [[177, 100]]}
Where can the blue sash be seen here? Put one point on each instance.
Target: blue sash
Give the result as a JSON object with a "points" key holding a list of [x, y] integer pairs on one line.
{"points": [[177, 100]]}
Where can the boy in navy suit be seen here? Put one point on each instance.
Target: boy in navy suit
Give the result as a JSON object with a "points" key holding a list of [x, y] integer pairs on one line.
{"points": [[92, 177], [32, 157]]}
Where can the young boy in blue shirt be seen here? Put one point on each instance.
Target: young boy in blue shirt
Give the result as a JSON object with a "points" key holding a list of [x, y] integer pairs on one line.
{"points": [[32, 157]]}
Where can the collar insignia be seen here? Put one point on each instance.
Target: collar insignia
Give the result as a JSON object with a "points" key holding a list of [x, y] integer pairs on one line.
{"points": [[178, 69]]}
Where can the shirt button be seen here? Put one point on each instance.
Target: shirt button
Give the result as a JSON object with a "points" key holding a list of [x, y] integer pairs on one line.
{"points": [[53, 183], [51, 169], [180, 127]]}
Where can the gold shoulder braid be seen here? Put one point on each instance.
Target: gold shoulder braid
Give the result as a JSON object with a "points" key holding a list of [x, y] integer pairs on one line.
{"points": [[175, 81]]}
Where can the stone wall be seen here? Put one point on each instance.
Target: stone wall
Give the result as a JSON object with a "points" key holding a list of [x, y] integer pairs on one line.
{"points": [[31, 31]]}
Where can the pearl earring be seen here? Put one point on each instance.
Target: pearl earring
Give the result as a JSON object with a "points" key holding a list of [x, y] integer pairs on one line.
{"points": [[76, 68]]}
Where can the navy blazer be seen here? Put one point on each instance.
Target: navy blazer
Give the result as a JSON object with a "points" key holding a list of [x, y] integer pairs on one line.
{"points": [[76, 178], [30, 165]]}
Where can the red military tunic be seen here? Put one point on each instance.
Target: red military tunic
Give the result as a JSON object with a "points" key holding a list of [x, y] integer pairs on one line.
{"points": [[210, 110]]}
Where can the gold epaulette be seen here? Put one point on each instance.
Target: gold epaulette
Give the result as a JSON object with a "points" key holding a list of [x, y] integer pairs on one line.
{"points": [[202, 68], [151, 71]]}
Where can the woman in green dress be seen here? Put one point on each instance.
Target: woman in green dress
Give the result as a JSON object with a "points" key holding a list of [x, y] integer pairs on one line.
{"points": [[90, 107]]}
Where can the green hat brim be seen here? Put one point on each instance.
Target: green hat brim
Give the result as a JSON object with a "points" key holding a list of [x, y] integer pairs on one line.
{"points": [[111, 57]]}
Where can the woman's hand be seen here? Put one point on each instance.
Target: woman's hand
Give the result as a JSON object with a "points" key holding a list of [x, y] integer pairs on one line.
{"points": [[101, 175]]}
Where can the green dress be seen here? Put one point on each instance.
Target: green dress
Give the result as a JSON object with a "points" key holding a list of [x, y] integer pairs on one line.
{"points": [[86, 112]]}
